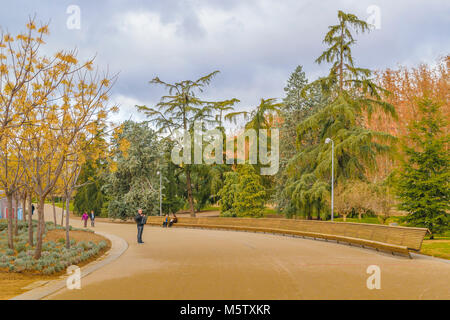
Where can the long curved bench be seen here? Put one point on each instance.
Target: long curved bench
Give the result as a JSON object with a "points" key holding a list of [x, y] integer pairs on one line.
{"points": [[381, 237]]}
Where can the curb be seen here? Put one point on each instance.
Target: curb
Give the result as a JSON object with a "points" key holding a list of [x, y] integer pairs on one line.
{"points": [[427, 257], [118, 247]]}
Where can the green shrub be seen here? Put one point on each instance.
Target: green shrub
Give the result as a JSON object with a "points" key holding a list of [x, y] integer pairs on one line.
{"points": [[21, 246], [49, 270]]}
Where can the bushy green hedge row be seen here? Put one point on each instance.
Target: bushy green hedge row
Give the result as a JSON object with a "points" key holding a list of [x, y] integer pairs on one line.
{"points": [[55, 257]]}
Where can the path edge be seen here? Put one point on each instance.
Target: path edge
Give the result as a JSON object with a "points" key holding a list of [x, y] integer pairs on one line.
{"points": [[118, 247]]}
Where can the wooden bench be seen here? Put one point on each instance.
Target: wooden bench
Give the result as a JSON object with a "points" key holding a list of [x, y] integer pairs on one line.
{"points": [[380, 237]]}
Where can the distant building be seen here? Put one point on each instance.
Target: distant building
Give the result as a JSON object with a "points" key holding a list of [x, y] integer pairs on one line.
{"points": [[4, 208]]}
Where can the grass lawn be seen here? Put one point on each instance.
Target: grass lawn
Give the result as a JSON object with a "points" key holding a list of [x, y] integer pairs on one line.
{"points": [[60, 205], [373, 220], [436, 248], [210, 208], [272, 213]]}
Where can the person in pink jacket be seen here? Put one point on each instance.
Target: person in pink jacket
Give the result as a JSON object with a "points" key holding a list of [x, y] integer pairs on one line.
{"points": [[85, 218]]}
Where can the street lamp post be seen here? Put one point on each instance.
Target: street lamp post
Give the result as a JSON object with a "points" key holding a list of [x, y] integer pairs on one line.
{"points": [[160, 193], [328, 140]]}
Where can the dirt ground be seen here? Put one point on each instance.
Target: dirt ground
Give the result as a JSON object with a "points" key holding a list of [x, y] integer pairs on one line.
{"points": [[13, 284], [55, 235]]}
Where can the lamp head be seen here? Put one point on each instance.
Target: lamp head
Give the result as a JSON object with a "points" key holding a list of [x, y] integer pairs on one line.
{"points": [[328, 140]]}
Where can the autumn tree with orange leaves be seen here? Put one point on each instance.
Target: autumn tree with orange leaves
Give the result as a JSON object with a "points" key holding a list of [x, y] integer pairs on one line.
{"points": [[52, 109]]}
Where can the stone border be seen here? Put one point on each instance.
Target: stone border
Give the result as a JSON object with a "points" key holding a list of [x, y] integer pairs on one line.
{"points": [[118, 247], [427, 257]]}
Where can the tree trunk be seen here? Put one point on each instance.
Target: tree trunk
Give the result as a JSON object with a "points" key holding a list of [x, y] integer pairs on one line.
{"points": [[24, 206], [54, 210], [40, 229], [10, 221], [189, 191], [344, 217], [30, 220], [62, 212], [16, 226], [67, 222]]}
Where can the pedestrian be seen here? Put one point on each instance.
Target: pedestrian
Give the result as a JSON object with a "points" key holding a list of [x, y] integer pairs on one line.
{"points": [[85, 218], [92, 217], [32, 209], [141, 220], [165, 221]]}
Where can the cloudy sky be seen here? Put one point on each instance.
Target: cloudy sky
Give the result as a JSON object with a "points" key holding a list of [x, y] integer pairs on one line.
{"points": [[255, 44]]}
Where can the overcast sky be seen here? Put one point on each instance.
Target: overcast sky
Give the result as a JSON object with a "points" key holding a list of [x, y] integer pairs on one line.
{"points": [[255, 44]]}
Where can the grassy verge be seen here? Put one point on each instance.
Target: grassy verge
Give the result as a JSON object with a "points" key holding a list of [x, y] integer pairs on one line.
{"points": [[60, 205], [272, 213], [372, 220], [436, 248]]}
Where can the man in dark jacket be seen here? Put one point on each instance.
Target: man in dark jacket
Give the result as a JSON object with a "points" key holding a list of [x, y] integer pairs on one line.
{"points": [[141, 220]]}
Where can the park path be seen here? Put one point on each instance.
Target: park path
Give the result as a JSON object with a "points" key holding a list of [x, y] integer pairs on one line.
{"points": [[179, 263]]}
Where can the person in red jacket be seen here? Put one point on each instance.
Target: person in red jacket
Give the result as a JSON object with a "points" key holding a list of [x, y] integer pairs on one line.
{"points": [[85, 218]]}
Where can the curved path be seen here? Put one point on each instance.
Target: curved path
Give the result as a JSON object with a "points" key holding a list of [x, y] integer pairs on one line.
{"points": [[180, 263]]}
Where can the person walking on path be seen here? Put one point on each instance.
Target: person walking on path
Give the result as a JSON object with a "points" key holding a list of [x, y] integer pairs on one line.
{"points": [[92, 217], [165, 221], [141, 220], [85, 218]]}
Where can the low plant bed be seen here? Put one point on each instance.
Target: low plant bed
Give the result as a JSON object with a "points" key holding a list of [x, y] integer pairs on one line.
{"points": [[85, 246]]}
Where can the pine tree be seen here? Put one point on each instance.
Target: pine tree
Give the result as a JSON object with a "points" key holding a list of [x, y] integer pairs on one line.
{"points": [[423, 184], [181, 108], [351, 93], [249, 200], [296, 108], [243, 194], [228, 193], [90, 196]]}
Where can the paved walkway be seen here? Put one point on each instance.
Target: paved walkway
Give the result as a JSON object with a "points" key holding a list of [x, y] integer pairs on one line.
{"points": [[180, 263]]}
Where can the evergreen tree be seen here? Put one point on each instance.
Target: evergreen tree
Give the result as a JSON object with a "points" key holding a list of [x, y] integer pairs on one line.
{"points": [[173, 190], [243, 194], [228, 193], [133, 183], [296, 108], [264, 116], [181, 108], [90, 196], [423, 184], [351, 93], [249, 200]]}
